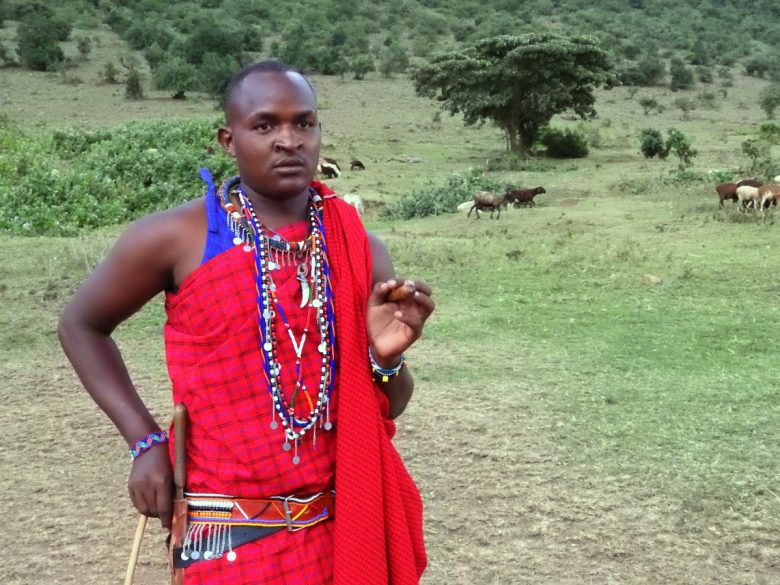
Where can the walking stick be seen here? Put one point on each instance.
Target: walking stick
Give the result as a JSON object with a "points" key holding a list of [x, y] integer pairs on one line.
{"points": [[139, 534], [179, 524]]}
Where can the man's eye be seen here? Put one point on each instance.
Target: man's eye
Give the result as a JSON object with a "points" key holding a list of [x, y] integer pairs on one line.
{"points": [[306, 124], [264, 127]]}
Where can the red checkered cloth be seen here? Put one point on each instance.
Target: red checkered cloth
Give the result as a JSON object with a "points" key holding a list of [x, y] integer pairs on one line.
{"points": [[214, 361]]}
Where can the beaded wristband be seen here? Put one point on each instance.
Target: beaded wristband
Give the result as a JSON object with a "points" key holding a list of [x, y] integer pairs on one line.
{"points": [[147, 443], [385, 373]]}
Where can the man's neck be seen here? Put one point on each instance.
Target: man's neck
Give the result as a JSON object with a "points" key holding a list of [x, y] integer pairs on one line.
{"points": [[276, 213]]}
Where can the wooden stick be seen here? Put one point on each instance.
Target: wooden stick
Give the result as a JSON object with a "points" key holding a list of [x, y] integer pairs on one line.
{"points": [[399, 294], [180, 453], [139, 535]]}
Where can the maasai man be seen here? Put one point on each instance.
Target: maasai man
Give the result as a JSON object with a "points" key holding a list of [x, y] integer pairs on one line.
{"points": [[285, 338]]}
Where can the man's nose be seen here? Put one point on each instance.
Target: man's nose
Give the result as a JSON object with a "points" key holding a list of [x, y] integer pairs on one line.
{"points": [[287, 139]]}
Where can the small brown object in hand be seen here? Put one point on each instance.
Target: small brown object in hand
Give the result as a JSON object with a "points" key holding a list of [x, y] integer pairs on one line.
{"points": [[402, 292]]}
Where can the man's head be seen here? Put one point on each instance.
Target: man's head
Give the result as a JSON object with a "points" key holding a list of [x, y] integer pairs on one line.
{"points": [[272, 129]]}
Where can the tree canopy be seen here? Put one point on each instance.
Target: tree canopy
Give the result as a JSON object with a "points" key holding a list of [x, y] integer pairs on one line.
{"points": [[518, 82]]}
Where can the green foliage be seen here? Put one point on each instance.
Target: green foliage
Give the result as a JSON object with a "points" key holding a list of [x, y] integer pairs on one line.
{"points": [[393, 59], [769, 99], [564, 143], [80, 179], [679, 144], [760, 162], [436, 200], [705, 75], [651, 143], [649, 71], [38, 37], [707, 100], [518, 82], [649, 104], [361, 65], [685, 105], [769, 132], [761, 65], [110, 72], [134, 89], [84, 46], [681, 76], [175, 75]]}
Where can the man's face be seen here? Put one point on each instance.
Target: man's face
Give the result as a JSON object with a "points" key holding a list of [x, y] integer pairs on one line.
{"points": [[273, 133]]}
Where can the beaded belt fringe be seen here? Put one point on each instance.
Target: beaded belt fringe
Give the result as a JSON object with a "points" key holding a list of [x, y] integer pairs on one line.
{"points": [[216, 525]]}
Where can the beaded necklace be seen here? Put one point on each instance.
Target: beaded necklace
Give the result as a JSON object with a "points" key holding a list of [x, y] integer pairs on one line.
{"points": [[313, 275]]}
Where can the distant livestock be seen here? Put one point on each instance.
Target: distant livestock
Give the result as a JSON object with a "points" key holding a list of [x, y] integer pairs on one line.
{"points": [[769, 194], [484, 201], [525, 197], [355, 201], [776, 179], [356, 165], [748, 197], [728, 191], [329, 168]]}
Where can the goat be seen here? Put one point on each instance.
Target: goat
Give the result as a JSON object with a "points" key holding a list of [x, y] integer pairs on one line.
{"points": [[355, 201], [525, 197], [356, 165], [769, 195], [484, 201], [748, 197], [328, 167]]}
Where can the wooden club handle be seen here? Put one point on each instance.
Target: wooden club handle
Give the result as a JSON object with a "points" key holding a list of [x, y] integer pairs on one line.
{"points": [[180, 451]]}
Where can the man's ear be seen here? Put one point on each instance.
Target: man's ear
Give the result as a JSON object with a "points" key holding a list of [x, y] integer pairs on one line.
{"points": [[225, 138]]}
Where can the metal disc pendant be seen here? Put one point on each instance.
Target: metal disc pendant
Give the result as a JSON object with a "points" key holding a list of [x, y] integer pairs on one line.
{"points": [[238, 241], [185, 556], [195, 555], [231, 556], [266, 314], [208, 555], [322, 347], [296, 460], [328, 425], [272, 266], [286, 446], [267, 346], [316, 303], [274, 425], [247, 248]]}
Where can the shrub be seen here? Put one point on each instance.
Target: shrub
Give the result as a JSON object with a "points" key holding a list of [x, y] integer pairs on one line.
{"points": [[651, 143], [86, 179], [680, 145], [769, 132], [134, 89], [649, 104], [685, 105], [436, 200], [681, 76], [564, 143], [38, 36], [110, 72], [769, 99]]}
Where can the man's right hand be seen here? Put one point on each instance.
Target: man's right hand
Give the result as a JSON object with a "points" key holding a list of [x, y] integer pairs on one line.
{"points": [[151, 484]]}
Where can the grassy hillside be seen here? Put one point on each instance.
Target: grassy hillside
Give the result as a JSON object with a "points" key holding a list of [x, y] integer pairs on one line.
{"points": [[597, 395]]}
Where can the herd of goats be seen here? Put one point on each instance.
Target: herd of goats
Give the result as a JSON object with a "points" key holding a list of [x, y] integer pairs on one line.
{"points": [[750, 193]]}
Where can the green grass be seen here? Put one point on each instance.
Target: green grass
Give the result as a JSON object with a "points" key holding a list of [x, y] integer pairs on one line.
{"points": [[600, 428]]}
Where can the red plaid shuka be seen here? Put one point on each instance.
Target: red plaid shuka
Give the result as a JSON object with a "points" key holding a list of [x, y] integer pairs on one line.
{"points": [[214, 361]]}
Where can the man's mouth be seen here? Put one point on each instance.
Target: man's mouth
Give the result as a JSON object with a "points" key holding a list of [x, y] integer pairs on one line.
{"points": [[289, 163]]}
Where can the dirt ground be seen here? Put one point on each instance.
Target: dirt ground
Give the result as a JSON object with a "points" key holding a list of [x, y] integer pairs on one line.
{"points": [[504, 505]]}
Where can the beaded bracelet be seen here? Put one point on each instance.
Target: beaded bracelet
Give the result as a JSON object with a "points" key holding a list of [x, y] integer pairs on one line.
{"points": [[147, 443], [385, 373]]}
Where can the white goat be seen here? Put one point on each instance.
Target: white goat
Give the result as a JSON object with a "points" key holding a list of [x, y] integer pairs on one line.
{"points": [[748, 197], [355, 201]]}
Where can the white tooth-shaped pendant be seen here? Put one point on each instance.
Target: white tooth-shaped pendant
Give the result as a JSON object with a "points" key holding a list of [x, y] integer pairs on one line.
{"points": [[238, 241], [304, 293], [316, 303]]}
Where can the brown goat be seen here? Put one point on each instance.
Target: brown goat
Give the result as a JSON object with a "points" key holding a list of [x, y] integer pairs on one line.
{"points": [[729, 190], [484, 201], [525, 197], [768, 195]]}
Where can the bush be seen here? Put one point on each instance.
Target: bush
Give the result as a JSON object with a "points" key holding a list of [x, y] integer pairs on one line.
{"points": [[680, 145], [83, 179], [682, 77], [769, 99], [134, 89], [651, 143], [564, 143], [436, 200], [38, 37], [769, 132]]}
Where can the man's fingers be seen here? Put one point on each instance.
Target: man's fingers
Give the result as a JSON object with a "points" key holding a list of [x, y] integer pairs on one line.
{"points": [[165, 505], [423, 287]]}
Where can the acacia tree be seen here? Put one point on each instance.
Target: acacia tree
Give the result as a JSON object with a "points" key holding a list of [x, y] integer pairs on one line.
{"points": [[518, 82]]}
